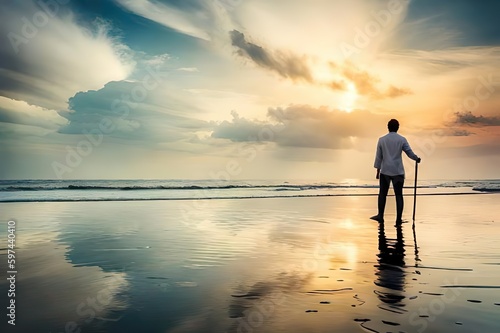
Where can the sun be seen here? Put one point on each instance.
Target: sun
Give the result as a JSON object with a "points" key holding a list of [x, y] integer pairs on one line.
{"points": [[346, 96], [349, 98]]}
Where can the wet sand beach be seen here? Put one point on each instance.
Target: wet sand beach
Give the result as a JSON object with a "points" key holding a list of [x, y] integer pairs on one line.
{"points": [[256, 265]]}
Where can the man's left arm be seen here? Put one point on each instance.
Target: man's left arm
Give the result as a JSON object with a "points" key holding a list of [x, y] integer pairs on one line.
{"points": [[409, 152]]}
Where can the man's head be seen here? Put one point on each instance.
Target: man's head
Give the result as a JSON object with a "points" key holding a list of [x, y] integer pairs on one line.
{"points": [[393, 125]]}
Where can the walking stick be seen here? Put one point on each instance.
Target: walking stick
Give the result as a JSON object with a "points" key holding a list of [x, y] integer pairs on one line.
{"points": [[415, 192], [414, 209]]}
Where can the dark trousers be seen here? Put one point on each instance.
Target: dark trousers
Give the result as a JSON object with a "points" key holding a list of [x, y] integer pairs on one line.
{"points": [[397, 183]]}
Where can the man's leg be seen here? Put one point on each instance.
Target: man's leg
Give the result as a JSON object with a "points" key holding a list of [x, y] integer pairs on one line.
{"points": [[398, 184], [382, 194]]}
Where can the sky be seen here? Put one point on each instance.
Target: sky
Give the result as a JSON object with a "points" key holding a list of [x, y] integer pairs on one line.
{"points": [[246, 89]]}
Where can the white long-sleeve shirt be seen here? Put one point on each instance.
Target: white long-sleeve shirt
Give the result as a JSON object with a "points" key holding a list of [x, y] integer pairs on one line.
{"points": [[388, 158]]}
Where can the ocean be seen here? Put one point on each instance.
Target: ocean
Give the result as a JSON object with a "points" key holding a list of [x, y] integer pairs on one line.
{"points": [[130, 190], [96, 256]]}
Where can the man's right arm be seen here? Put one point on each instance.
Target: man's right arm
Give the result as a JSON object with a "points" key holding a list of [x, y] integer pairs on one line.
{"points": [[378, 156]]}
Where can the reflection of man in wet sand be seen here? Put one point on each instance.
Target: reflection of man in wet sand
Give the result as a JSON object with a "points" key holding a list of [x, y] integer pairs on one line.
{"points": [[389, 165], [391, 265]]}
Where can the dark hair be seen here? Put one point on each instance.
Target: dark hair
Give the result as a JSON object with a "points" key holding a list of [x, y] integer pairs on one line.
{"points": [[393, 125]]}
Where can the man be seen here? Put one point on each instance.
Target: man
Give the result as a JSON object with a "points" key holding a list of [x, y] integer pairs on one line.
{"points": [[389, 165]]}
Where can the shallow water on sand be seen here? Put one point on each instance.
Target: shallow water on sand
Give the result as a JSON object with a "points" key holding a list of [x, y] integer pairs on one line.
{"points": [[255, 265]]}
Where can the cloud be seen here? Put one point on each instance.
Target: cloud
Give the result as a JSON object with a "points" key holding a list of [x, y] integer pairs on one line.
{"points": [[286, 65], [296, 68], [491, 149], [467, 118], [320, 26], [393, 92], [243, 130], [366, 84], [20, 112], [305, 126], [158, 116], [337, 85], [47, 63], [200, 19], [459, 132], [302, 126], [188, 69]]}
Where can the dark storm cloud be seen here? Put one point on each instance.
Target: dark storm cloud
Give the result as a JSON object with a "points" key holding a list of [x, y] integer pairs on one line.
{"points": [[286, 65], [460, 132], [467, 118]]}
